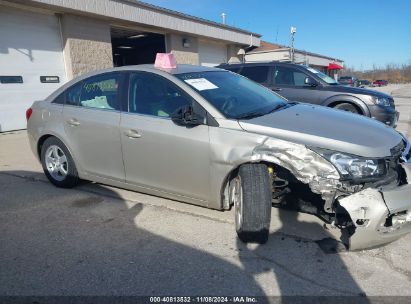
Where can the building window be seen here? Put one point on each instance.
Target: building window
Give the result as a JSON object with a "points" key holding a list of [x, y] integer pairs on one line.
{"points": [[11, 79], [49, 79]]}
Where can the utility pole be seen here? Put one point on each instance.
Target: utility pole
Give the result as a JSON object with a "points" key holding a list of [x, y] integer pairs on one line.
{"points": [[293, 30]]}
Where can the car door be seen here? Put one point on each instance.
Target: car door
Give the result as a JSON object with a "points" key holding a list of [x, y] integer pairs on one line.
{"points": [[289, 82], [157, 153], [91, 123]]}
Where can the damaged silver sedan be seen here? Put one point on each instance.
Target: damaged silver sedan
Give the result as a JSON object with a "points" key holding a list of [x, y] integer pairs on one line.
{"points": [[213, 138]]}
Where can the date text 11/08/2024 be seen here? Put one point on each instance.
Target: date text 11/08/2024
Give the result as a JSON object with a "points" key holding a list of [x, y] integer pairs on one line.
{"points": [[239, 299]]}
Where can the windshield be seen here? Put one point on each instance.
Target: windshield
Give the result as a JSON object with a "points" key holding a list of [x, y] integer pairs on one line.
{"points": [[234, 96], [324, 77]]}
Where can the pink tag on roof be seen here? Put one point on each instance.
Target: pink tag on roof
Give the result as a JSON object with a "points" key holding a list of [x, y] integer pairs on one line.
{"points": [[165, 61]]}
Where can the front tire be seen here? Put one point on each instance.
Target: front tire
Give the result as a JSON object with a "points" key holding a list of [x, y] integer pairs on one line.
{"points": [[252, 197], [57, 163], [348, 107]]}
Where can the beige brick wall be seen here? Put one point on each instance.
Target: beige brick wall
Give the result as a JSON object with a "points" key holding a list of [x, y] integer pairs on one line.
{"points": [[183, 55], [232, 53], [87, 45]]}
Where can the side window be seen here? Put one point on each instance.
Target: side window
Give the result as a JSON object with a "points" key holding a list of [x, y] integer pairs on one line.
{"points": [[233, 69], [101, 92], [73, 94], [256, 73], [154, 95], [289, 76], [60, 99]]}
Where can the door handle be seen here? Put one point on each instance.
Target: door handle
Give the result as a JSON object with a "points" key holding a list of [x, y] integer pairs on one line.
{"points": [[276, 89], [73, 122], [132, 134]]}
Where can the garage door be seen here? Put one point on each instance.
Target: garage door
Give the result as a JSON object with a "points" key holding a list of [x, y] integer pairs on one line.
{"points": [[30, 59], [212, 53]]}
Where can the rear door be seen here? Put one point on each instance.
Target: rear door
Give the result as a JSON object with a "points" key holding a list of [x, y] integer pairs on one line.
{"points": [[158, 154], [289, 81], [91, 123]]}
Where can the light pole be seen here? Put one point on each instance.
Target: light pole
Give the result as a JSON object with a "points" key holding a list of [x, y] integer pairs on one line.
{"points": [[293, 30], [223, 16]]}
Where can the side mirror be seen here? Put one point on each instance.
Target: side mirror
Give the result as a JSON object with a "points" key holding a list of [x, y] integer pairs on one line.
{"points": [[310, 82], [185, 116]]}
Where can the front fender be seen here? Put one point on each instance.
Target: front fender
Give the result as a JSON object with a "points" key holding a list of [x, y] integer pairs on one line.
{"points": [[347, 98], [230, 149]]}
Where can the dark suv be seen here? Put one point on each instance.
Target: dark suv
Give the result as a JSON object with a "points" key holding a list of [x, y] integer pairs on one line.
{"points": [[304, 84], [349, 80]]}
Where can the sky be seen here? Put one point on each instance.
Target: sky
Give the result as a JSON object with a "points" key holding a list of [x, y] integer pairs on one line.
{"points": [[363, 33]]}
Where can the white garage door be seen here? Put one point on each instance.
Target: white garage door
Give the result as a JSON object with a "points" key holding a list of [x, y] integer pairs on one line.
{"points": [[212, 53], [30, 47]]}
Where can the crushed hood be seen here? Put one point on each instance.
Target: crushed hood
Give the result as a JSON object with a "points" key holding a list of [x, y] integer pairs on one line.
{"points": [[327, 128]]}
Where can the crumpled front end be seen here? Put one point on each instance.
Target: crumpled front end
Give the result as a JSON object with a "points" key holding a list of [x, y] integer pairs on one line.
{"points": [[378, 216], [306, 165], [375, 213]]}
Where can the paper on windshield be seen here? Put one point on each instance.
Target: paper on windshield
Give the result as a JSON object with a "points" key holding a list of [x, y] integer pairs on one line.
{"points": [[201, 84]]}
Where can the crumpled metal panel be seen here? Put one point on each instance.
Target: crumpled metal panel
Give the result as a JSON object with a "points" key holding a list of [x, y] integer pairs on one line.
{"points": [[367, 206], [306, 165], [369, 210], [232, 148]]}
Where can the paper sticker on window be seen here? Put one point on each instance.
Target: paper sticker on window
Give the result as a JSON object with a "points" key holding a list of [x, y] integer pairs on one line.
{"points": [[201, 84]]}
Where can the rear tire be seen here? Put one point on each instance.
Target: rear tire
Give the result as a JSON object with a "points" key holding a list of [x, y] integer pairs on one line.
{"points": [[348, 107], [57, 163], [252, 196]]}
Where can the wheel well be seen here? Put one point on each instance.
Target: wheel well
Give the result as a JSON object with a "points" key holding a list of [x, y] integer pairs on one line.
{"points": [[41, 142], [232, 174], [333, 104]]}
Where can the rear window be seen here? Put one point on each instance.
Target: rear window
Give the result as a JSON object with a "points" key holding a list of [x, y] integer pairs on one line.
{"points": [[60, 99], [73, 94]]}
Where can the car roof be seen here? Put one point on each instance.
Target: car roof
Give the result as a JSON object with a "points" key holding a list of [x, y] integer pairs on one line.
{"points": [[180, 69], [254, 63], [259, 63]]}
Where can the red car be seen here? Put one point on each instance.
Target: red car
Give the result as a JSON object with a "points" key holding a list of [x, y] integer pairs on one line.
{"points": [[380, 83]]}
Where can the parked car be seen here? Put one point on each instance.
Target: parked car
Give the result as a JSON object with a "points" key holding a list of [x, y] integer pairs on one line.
{"points": [[213, 138], [304, 84], [349, 80], [362, 83], [380, 83]]}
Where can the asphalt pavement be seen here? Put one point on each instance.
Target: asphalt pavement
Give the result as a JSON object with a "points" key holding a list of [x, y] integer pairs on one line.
{"points": [[97, 240]]}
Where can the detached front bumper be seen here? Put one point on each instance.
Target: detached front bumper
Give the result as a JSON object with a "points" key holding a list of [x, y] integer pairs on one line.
{"points": [[379, 217]]}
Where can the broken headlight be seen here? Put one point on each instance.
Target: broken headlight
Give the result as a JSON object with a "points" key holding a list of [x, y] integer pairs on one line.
{"points": [[355, 167]]}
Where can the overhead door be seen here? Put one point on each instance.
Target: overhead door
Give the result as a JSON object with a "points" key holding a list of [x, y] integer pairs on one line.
{"points": [[31, 62], [212, 53]]}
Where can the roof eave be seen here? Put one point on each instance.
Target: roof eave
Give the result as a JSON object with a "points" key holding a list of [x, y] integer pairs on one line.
{"points": [[190, 17]]}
